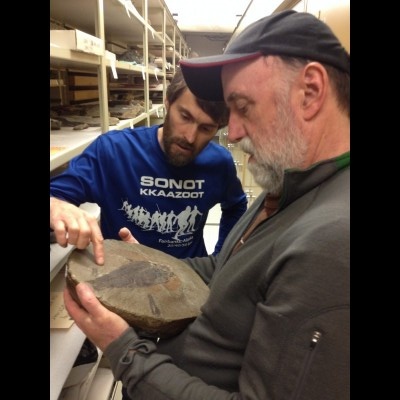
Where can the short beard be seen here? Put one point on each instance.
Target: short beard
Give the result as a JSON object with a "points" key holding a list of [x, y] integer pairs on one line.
{"points": [[276, 151], [175, 159]]}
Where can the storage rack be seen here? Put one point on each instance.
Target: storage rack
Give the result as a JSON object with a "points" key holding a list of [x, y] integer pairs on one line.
{"points": [[145, 24]]}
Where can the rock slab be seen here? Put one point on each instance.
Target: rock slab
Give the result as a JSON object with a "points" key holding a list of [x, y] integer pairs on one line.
{"points": [[154, 292]]}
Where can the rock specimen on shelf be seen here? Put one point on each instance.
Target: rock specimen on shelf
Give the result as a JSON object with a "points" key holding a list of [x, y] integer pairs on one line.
{"points": [[80, 127], [55, 124], [154, 292], [73, 115], [73, 120]]}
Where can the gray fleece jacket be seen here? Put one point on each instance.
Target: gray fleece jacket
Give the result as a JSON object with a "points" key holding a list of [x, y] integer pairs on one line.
{"points": [[277, 320]]}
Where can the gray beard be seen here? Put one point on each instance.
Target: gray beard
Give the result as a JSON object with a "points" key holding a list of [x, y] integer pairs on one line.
{"points": [[267, 177], [271, 159]]}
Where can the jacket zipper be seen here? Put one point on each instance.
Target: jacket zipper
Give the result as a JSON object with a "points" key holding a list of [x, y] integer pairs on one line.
{"points": [[315, 338]]}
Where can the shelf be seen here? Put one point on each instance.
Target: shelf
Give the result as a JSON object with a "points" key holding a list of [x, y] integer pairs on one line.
{"points": [[132, 89], [144, 24], [119, 24], [65, 345], [67, 143], [67, 58], [126, 67], [102, 385], [157, 109], [130, 123]]}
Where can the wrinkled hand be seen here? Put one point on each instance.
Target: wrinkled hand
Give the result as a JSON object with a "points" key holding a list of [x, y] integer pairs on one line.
{"points": [[75, 226], [99, 324]]}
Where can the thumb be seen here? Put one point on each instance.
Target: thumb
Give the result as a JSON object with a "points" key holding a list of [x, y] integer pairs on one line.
{"points": [[126, 236], [88, 299]]}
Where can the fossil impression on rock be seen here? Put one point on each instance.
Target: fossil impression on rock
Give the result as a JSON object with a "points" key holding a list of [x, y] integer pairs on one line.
{"points": [[154, 292]]}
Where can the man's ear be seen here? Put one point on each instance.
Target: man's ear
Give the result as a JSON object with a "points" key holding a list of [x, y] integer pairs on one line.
{"points": [[315, 80], [166, 103]]}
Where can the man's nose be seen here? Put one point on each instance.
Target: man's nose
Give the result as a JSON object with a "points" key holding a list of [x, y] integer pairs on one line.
{"points": [[191, 133], [236, 132]]}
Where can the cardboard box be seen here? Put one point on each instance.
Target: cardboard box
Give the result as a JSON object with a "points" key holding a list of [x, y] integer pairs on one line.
{"points": [[78, 95], [116, 48], [56, 82], [77, 40], [82, 80]]}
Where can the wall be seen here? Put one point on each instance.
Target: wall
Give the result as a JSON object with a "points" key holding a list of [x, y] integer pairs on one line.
{"points": [[207, 44], [335, 13]]}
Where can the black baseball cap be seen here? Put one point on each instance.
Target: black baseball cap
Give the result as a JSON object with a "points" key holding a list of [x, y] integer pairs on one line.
{"points": [[285, 33]]}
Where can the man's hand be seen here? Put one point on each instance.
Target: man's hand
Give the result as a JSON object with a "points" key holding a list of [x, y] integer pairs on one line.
{"points": [[126, 236], [77, 227], [99, 324]]}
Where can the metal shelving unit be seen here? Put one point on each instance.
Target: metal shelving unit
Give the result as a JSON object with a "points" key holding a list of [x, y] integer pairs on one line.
{"points": [[147, 24]]}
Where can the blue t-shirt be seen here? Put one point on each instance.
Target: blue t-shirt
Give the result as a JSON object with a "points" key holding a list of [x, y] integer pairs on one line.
{"points": [[165, 207]]}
